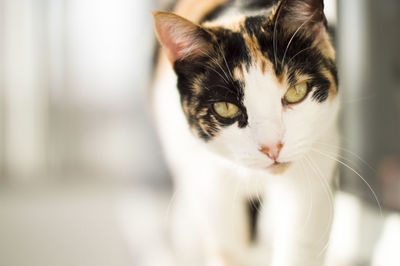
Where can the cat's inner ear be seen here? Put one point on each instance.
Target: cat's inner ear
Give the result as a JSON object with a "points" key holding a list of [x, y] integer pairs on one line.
{"points": [[180, 37], [301, 14]]}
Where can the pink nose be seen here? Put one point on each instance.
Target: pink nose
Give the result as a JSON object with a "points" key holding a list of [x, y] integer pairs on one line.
{"points": [[272, 151]]}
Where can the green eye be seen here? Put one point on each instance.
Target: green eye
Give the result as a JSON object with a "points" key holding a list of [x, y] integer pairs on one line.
{"points": [[226, 110], [296, 93]]}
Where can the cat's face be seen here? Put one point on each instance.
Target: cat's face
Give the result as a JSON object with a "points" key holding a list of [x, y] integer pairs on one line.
{"points": [[261, 91]]}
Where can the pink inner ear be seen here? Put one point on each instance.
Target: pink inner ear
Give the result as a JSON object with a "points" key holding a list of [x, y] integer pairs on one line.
{"points": [[179, 46], [180, 37]]}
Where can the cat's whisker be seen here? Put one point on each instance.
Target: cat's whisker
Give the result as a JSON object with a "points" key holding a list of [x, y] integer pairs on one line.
{"points": [[169, 206], [298, 148], [294, 155], [361, 99], [219, 65], [215, 71], [355, 172], [325, 185], [301, 51], [347, 160], [259, 198], [348, 151], [219, 86], [310, 208], [226, 81], [226, 75], [322, 180], [291, 158], [274, 36], [291, 39], [251, 199], [214, 60], [226, 62], [253, 164]]}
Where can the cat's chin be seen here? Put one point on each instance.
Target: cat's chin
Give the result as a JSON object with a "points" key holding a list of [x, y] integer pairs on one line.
{"points": [[278, 168], [275, 169]]}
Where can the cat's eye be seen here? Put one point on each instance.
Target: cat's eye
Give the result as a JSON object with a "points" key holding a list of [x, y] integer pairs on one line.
{"points": [[226, 110], [296, 93]]}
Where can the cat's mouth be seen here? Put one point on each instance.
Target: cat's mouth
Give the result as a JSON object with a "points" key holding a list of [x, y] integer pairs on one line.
{"points": [[278, 167]]}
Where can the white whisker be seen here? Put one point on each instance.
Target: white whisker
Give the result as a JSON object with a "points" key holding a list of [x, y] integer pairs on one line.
{"points": [[226, 63], [355, 172], [308, 48], [350, 152], [274, 37], [331, 204], [310, 208], [219, 74], [326, 187], [213, 59], [291, 39], [169, 206]]}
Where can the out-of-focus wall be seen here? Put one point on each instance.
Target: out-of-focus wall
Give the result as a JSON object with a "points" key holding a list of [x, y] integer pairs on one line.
{"points": [[75, 76], [369, 68], [79, 160], [23, 107], [1, 93]]}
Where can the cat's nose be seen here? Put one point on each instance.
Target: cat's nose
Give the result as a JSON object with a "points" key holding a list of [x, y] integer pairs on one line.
{"points": [[272, 151]]}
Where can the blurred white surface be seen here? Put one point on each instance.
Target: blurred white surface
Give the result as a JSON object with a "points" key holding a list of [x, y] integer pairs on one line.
{"points": [[102, 224], [74, 91], [60, 226]]}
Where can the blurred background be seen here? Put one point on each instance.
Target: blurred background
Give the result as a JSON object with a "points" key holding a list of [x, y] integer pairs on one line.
{"points": [[82, 179]]}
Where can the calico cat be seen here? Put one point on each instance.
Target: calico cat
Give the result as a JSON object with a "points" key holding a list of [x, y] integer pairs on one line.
{"points": [[245, 97]]}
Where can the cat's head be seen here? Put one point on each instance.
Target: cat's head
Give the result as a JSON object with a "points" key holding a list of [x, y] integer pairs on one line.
{"points": [[258, 90]]}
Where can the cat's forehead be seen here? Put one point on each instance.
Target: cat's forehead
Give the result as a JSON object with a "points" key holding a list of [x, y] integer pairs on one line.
{"points": [[262, 94], [290, 56]]}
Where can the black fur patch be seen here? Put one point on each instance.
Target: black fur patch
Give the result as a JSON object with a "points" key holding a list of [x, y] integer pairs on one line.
{"points": [[206, 79], [299, 56], [257, 4], [214, 70]]}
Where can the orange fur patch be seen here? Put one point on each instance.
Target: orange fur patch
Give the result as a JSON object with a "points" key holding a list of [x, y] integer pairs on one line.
{"points": [[256, 54], [235, 25], [333, 91], [194, 10], [238, 73]]}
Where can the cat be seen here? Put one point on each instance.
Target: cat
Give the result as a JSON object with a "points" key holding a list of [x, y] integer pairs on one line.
{"points": [[245, 97]]}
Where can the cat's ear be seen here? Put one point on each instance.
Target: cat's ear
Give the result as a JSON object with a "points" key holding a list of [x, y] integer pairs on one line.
{"points": [[180, 37], [307, 14]]}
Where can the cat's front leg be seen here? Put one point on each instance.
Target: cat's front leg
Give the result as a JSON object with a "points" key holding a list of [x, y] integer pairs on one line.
{"points": [[224, 224], [302, 213], [217, 208]]}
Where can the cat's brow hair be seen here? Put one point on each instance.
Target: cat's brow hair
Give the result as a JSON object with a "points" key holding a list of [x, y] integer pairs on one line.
{"points": [[218, 75]]}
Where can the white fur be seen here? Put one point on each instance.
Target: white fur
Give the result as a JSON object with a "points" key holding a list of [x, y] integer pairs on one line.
{"points": [[212, 180]]}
